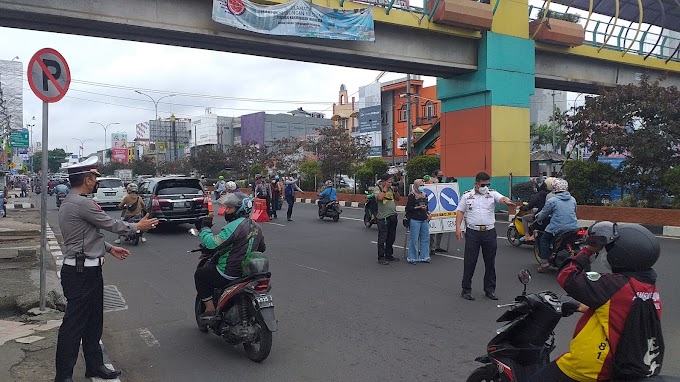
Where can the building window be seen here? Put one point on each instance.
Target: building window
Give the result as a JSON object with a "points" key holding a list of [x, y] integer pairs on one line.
{"points": [[344, 123], [430, 110], [403, 113]]}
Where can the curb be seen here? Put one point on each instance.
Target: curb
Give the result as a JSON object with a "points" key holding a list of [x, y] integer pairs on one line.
{"points": [[17, 206], [659, 230]]}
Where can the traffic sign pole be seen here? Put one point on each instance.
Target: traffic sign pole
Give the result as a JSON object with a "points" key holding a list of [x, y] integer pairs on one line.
{"points": [[43, 206]]}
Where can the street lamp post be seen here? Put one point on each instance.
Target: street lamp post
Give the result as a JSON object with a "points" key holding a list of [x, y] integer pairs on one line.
{"points": [[82, 147], [105, 127], [30, 141], [155, 102]]}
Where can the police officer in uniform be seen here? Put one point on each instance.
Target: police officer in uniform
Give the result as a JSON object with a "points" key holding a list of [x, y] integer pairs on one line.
{"points": [[478, 207], [80, 220]]}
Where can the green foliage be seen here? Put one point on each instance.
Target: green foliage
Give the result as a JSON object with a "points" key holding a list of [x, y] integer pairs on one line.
{"points": [[559, 16], [109, 168], [209, 162], [144, 166], [309, 169], [422, 165], [337, 151], [181, 166], [245, 160], [586, 178], [672, 183], [226, 174], [366, 174], [376, 165], [523, 191], [257, 169], [641, 122], [54, 160], [285, 155]]}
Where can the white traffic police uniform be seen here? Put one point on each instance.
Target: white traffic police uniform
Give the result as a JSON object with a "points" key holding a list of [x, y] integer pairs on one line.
{"points": [[479, 209]]}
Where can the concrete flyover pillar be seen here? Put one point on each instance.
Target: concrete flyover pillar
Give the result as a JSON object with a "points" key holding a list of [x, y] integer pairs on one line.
{"points": [[485, 114]]}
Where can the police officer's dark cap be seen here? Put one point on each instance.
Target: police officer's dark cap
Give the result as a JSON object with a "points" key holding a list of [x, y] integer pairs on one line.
{"points": [[88, 166]]}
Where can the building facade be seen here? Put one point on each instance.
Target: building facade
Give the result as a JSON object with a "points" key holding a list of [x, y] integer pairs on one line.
{"points": [[541, 105], [344, 112], [214, 131], [169, 138], [263, 129], [11, 95]]}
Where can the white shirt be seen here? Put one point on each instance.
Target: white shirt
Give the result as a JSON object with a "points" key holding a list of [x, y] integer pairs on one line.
{"points": [[479, 209]]}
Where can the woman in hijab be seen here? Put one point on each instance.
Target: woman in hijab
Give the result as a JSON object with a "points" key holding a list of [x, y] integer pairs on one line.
{"points": [[418, 214]]}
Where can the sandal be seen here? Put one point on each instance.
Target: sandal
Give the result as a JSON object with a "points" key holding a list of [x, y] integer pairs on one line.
{"points": [[543, 268]]}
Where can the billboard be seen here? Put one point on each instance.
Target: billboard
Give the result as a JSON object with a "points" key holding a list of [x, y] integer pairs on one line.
{"points": [[119, 155], [118, 140], [370, 117]]}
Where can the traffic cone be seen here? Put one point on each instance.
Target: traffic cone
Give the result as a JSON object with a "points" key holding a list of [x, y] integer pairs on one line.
{"points": [[210, 206]]}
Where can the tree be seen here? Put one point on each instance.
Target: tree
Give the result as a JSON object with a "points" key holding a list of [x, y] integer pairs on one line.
{"points": [[285, 154], [111, 167], [365, 174], [640, 122], [542, 135], [337, 150], [672, 182], [181, 166], [54, 160], [422, 165], [310, 169], [144, 166], [242, 158], [209, 162], [586, 178]]}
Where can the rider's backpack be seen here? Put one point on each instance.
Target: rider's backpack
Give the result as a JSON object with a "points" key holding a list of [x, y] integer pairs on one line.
{"points": [[289, 191], [639, 353]]}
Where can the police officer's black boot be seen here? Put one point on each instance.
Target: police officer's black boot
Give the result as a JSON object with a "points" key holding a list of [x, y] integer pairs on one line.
{"points": [[102, 372], [57, 379]]}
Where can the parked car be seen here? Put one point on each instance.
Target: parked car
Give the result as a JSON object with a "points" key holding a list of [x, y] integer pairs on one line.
{"points": [[111, 191], [175, 199]]}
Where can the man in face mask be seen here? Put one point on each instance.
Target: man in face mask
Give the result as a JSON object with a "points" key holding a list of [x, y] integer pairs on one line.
{"points": [[478, 206]]}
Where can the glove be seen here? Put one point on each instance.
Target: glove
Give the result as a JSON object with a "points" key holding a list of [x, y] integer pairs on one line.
{"points": [[206, 222]]}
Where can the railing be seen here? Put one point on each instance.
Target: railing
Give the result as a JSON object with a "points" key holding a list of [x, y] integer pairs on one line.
{"points": [[630, 39]]}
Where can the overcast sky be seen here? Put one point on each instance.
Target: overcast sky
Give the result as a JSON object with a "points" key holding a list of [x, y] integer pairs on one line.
{"points": [[106, 72]]}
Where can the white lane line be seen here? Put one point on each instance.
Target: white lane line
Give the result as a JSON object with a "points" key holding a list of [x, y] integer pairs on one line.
{"points": [[282, 225], [359, 220], [436, 254], [148, 337], [299, 265]]}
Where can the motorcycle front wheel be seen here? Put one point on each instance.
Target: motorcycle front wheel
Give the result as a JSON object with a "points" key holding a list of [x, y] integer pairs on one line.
{"points": [[513, 236], [259, 350], [368, 221], [336, 217], [537, 252], [198, 310], [484, 374]]}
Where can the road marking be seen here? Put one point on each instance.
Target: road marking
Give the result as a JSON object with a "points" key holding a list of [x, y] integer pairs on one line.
{"points": [[359, 220], [299, 265], [436, 254], [148, 337], [282, 225]]}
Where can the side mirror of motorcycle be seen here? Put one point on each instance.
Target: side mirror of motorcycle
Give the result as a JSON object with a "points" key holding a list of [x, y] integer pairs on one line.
{"points": [[524, 277], [194, 232]]}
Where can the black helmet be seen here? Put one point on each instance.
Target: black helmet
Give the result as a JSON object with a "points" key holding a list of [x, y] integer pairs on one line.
{"points": [[636, 249], [602, 233]]}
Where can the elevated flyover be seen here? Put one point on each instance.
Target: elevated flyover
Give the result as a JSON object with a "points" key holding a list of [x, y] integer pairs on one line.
{"points": [[407, 40]]}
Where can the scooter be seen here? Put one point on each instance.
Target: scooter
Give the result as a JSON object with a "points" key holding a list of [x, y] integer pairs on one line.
{"points": [[516, 229], [60, 198], [137, 235], [245, 309], [330, 210], [565, 245], [50, 190], [370, 210], [37, 190]]}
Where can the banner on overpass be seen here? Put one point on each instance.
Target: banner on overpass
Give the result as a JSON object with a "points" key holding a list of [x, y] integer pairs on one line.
{"points": [[296, 18]]}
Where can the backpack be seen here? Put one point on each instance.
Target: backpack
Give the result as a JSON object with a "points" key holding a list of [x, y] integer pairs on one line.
{"points": [[640, 350], [290, 190], [254, 261]]}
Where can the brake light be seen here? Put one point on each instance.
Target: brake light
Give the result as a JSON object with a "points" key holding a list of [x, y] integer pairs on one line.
{"points": [[261, 286], [155, 205], [582, 231]]}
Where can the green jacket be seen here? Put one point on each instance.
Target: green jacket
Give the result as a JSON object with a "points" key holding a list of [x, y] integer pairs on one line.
{"points": [[232, 244]]}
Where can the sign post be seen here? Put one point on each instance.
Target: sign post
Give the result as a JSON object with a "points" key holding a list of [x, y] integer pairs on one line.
{"points": [[49, 78], [442, 202]]}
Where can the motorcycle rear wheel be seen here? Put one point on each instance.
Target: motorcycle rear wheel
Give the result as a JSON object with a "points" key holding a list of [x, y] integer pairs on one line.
{"points": [[259, 351], [537, 252], [367, 221], [513, 236], [336, 217], [135, 241], [484, 374]]}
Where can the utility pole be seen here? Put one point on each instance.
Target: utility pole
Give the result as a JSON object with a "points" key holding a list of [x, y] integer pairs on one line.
{"points": [[554, 149], [408, 117]]}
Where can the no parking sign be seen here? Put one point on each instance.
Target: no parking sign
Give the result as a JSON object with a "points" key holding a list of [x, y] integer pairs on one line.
{"points": [[442, 203]]}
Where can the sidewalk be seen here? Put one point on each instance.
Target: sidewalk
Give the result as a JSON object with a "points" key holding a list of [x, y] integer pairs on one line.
{"points": [[28, 337]]}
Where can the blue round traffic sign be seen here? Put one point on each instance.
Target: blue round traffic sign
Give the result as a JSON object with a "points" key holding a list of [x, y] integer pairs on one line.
{"points": [[431, 200], [448, 198]]}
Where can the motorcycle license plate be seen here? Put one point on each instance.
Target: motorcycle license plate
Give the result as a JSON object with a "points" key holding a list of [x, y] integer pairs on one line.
{"points": [[264, 301]]}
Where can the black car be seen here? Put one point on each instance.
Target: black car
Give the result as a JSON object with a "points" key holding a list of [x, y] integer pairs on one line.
{"points": [[175, 200]]}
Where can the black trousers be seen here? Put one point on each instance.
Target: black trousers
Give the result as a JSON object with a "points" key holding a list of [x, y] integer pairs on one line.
{"points": [[275, 204], [551, 372], [488, 242], [290, 199], [83, 320], [207, 279], [387, 233]]}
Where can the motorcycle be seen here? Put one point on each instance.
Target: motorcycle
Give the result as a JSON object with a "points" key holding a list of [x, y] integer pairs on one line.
{"points": [[60, 198], [330, 210], [523, 345], [370, 210], [37, 190], [565, 245], [516, 229], [50, 190], [137, 235], [245, 310]]}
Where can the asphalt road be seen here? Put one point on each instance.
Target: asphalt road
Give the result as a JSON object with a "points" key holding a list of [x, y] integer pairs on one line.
{"points": [[341, 315]]}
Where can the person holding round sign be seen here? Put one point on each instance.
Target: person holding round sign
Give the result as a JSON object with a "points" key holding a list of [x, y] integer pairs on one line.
{"points": [[478, 207]]}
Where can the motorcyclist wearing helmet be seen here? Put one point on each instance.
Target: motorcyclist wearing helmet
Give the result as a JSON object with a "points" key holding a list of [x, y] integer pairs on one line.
{"points": [[220, 187], [631, 251], [132, 205], [536, 201], [232, 187], [61, 188], [562, 212], [328, 195], [240, 236]]}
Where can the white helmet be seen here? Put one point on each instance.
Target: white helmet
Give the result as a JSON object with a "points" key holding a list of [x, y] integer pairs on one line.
{"points": [[560, 185], [132, 187], [549, 182], [231, 186]]}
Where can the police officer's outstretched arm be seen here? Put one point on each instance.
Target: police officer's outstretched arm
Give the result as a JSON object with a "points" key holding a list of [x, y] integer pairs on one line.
{"points": [[94, 214]]}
